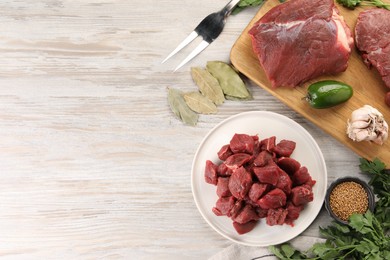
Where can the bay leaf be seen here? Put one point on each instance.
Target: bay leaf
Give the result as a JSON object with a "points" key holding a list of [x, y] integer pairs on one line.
{"points": [[250, 97], [199, 103], [208, 85], [229, 80], [180, 108]]}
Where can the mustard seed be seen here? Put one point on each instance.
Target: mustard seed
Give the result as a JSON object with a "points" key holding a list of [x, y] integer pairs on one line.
{"points": [[347, 198]]}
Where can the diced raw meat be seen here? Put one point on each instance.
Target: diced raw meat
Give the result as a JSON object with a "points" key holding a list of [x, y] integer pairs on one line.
{"points": [[301, 195], [276, 198], [244, 228], [292, 213], [257, 190], [310, 183], [246, 214], [268, 144], [259, 185], [210, 173], [247, 200], [288, 164], [301, 176], [284, 148], [242, 143], [300, 40], [284, 182], [237, 160], [256, 148], [223, 187], [223, 170], [264, 158], [224, 152], [223, 206], [235, 210], [267, 174], [262, 213], [372, 36], [216, 211], [240, 183], [276, 216]]}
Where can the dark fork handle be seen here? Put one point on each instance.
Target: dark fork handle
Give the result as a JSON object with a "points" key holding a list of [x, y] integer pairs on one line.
{"points": [[212, 25]]}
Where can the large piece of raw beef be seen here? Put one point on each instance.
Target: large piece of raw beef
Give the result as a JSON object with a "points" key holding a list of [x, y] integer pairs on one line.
{"points": [[300, 40], [372, 36]]}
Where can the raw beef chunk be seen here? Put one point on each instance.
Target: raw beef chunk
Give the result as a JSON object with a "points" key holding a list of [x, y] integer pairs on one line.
{"points": [[263, 158], [284, 148], [223, 206], [224, 152], [237, 160], [284, 182], [292, 213], [301, 195], [247, 214], [267, 174], [309, 184], [300, 40], [257, 190], [289, 165], [242, 143], [268, 144], [240, 182], [276, 216], [244, 228], [235, 210], [372, 37], [223, 170], [223, 187], [276, 198], [301, 176], [210, 173], [262, 213]]}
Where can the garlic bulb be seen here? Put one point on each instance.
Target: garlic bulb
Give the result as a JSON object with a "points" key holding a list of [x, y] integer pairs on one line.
{"points": [[367, 124]]}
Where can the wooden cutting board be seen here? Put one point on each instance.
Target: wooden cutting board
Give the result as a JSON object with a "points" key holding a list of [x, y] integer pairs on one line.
{"points": [[368, 89]]}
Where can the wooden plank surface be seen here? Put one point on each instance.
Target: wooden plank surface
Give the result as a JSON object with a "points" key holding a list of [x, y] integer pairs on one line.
{"points": [[368, 89], [93, 163]]}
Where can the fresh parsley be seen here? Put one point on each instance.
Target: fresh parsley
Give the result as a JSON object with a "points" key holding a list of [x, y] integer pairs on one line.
{"points": [[365, 237], [249, 3], [380, 182], [354, 3], [246, 3]]}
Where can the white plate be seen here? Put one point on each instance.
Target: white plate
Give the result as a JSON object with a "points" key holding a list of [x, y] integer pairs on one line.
{"points": [[265, 124]]}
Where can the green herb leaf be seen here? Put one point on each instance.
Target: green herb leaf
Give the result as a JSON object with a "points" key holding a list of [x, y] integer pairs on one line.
{"points": [[246, 3], [349, 3], [367, 247], [324, 251], [374, 167], [361, 223], [380, 181], [354, 3], [229, 80], [180, 108], [199, 103], [208, 85], [286, 252]]}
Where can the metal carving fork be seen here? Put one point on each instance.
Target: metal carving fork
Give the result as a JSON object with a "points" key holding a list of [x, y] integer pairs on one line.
{"points": [[209, 29]]}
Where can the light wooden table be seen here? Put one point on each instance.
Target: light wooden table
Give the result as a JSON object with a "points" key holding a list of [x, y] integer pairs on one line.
{"points": [[93, 164]]}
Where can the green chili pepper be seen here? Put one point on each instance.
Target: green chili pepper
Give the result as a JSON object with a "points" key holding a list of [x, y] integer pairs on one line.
{"points": [[328, 93]]}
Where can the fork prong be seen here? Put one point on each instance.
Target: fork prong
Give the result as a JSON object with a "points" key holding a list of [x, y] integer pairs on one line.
{"points": [[183, 44], [195, 52]]}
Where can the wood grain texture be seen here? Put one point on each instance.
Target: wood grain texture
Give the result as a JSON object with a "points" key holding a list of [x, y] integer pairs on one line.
{"points": [[93, 164], [368, 89]]}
